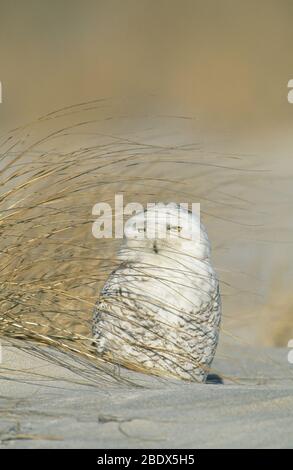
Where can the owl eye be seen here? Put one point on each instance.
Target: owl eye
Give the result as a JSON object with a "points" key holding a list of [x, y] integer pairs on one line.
{"points": [[177, 228]]}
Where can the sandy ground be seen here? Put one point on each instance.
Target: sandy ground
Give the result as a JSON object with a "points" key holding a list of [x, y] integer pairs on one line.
{"points": [[47, 405]]}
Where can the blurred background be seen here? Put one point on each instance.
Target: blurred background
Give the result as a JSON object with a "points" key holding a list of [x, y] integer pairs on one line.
{"points": [[226, 61], [207, 74]]}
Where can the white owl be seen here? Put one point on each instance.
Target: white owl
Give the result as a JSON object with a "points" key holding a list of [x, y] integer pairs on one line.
{"points": [[159, 311]]}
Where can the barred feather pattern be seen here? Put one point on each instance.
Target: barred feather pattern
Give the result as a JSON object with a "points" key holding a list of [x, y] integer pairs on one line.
{"points": [[159, 312]]}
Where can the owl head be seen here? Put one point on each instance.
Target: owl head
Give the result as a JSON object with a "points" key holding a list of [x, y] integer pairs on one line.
{"points": [[167, 227]]}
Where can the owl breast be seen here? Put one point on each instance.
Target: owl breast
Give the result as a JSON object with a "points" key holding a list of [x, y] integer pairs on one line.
{"points": [[161, 318]]}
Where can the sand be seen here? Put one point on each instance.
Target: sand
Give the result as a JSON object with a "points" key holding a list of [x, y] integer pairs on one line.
{"points": [[44, 405]]}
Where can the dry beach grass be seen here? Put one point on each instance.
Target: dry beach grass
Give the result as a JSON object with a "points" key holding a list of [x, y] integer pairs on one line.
{"points": [[55, 391], [52, 173]]}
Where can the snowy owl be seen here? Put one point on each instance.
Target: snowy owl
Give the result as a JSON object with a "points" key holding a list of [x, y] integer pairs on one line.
{"points": [[159, 312]]}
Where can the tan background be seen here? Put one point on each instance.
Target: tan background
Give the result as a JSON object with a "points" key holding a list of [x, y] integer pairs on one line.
{"points": [[226, 60]]}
